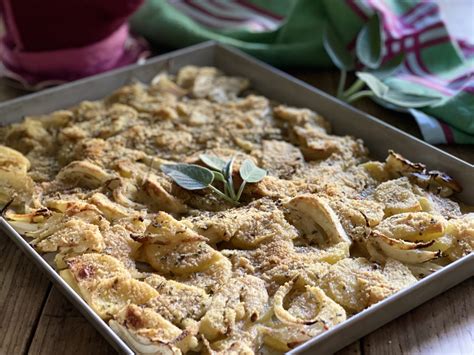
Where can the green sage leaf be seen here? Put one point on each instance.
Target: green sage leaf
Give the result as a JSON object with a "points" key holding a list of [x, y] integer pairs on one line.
{"points": [[218, 176], [374, 83], [228, 169], [213, 162], [389, 68], [369, 43], [340, 56], [189, 176], [251, 173], [410, 101], [410, 88]]}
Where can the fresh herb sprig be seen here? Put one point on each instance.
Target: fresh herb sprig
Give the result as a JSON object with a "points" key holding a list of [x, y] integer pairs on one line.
{"points": [[196, 177], [371, 82]]}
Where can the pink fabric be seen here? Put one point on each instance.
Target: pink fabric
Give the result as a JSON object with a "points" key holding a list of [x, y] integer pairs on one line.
{"points": [[48, 42], [45, 25], [52, 67]]}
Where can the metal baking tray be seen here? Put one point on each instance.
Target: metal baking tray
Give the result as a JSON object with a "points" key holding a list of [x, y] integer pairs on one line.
{"points": [[275, 84]]}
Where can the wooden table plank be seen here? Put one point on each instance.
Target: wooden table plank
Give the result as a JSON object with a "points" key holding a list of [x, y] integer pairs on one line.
{"points": [[23, 291], [444, 325], [62, 328], [353, 349]]}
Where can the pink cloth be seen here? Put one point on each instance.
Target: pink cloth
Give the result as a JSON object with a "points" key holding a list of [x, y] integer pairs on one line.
{"points": [[95, 39]]}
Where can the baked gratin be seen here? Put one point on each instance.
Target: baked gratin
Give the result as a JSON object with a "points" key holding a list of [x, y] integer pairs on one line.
{"points": [[322, 234]]}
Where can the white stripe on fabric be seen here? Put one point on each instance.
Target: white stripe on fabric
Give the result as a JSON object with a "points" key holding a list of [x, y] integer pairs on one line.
{"points": [[418, 75], [430, 127], [423, 8], [235, 9], [432, 34], [425, 22], [418, 71], [245, 17], [207, 20]]}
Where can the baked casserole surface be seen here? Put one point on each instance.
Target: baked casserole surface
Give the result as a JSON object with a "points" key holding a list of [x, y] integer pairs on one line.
{"points": [[324, 235]]}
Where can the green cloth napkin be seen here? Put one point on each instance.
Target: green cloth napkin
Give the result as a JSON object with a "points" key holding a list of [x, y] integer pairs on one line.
{"points": [[288, 33]]}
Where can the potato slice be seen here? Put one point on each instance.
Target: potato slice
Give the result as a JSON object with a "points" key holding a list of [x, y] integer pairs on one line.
{"points": [[156, 196], [111, 210], [40, 215], [356, 283], [406, 252], [149, 333], [462, 231], [310, 212], [13, 159], [183, 258], [245, 227], [89, 269], [84, 173], [308, 314], [397, 165], [242, 298], [111, 295], [418, 226], [376, 170], [14, 181], [210, 279], [75, 236], [397, 196], [245, 341], [164, 229], [307, 307], [177, 301]]}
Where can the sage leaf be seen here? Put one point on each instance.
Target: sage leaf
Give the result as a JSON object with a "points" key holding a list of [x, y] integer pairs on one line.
{"points": [[410, 88], [340, 56], [374, 83], [389, 68], [213, 162], [411, 101], [251, 173], [369, 43], [189, 176], [228, 169], [219, 177]]}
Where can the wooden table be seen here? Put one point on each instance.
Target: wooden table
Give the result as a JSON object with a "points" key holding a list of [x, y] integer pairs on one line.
{"points": [[37, 319]]}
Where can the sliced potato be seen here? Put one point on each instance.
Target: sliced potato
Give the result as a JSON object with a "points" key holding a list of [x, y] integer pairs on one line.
{"points": [[308, 212], [13, 159], [89, 269], [406, 252], [75, 236], [397, 196], [159, 199], [109, 296], [183, 258], [84, 173], [242, 298], [461, 230], [210, 279], [149, 333], [309, 314], [177, 301], [418, 226], [111, 210], [164, 229]]}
